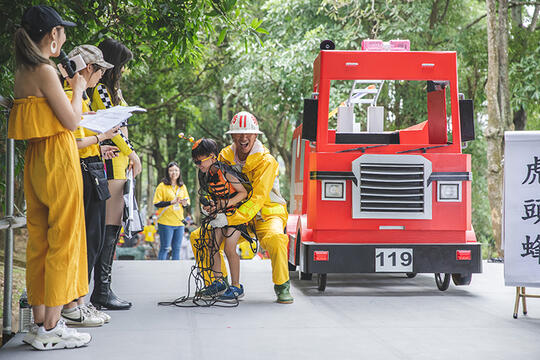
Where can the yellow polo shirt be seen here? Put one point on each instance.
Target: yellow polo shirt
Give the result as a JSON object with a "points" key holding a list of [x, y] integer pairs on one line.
{"points": [[171, 215]]}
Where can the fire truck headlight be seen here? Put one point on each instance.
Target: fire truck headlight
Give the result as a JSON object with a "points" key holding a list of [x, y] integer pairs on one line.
{"points": [[449, 191], [333, 190]]}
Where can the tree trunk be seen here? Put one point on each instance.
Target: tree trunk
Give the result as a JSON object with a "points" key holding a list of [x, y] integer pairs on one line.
{"points": [[534, 20], [498, 106], [149, 187], [504, 87], [517, 17], [520, 119]]}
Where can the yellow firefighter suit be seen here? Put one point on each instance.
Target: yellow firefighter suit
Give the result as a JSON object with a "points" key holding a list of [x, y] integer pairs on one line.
{"points": [[56, 268], [116, 167], [266, 209]]}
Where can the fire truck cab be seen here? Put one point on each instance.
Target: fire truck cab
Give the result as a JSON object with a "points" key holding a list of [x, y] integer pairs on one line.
{"points": [[366, 198]]}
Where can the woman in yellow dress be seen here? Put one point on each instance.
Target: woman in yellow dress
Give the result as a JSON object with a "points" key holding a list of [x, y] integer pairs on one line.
{"points": [[56, 270], [106, 95]]}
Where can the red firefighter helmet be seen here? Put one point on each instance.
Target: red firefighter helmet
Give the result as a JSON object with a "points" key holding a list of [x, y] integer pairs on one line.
{"points": [[244, 123]]}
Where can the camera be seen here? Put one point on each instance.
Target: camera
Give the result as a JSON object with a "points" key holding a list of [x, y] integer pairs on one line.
{"points": [[68, 67], [204, 201]]}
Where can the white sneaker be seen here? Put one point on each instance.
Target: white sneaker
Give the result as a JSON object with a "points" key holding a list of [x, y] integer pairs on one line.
{"points": [[31, 334], [106, 317], [81, 316], [60, 337]]}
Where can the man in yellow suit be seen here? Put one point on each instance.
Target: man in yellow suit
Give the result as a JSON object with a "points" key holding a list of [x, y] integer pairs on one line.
{"points": [[265, 209]]}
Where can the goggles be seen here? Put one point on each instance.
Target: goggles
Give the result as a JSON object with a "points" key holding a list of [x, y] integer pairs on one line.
{"points": [[199, 162]]}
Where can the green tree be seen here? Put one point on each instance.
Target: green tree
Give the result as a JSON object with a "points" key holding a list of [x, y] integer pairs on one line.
{"points": [[158, 32]]}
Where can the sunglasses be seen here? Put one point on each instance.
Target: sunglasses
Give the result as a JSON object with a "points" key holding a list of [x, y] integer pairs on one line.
{"points": [[199, 162]]}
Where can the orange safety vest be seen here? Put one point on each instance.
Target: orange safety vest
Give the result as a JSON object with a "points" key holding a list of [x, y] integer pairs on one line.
{"points": [[220, 187]]}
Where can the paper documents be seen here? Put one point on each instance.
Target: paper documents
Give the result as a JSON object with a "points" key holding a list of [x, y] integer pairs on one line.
{"points": [[106, 119]]}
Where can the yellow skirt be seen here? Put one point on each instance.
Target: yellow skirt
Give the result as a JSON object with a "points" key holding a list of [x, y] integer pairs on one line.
{"points": [[56, 269]]}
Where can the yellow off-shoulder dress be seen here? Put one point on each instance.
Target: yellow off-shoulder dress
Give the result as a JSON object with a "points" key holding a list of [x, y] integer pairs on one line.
{"points": [[56, 269]]}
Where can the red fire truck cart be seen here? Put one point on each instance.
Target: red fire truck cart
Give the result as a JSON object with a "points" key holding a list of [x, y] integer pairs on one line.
{"points": [[368, 200]]}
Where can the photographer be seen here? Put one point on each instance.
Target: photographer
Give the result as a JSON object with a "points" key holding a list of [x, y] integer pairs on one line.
{"points": [[56, 271], [95, 188]]}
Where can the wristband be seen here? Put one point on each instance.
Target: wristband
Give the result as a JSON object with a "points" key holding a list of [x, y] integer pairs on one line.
{"points": [[97, 139]]}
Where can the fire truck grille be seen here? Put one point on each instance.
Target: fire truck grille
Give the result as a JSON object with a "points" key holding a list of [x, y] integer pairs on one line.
{"points": [[392, 187]]}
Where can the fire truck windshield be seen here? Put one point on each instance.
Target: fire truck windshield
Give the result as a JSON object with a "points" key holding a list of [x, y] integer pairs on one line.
{"points": [[376, 111]]}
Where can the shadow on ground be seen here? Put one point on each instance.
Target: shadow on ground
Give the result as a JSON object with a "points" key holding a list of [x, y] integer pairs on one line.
{"points": [[377, 285]]}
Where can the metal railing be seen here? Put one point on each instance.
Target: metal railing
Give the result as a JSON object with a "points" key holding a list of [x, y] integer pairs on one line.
{"points": [[8, 223]]}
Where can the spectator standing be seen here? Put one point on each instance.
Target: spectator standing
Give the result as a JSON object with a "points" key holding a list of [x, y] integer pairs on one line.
{"points": [[95, 188], [171, 197], [106, 95], [56, 269]]}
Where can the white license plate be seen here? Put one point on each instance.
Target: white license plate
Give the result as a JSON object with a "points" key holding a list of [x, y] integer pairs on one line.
{"points": [[393, 260]]}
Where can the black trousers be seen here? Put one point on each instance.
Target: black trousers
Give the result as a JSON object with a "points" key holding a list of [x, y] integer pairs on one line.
{"points": [[94, 215]]}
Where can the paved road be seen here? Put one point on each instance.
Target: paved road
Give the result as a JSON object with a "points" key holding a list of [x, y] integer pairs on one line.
{"points": [[357, 317]]}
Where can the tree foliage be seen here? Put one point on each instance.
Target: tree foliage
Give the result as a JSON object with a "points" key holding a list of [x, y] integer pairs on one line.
{"points": [[157, 31], [198, 62]]}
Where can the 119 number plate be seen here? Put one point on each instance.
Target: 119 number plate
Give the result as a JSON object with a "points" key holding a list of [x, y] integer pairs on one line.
{"points": [[393, 260]]}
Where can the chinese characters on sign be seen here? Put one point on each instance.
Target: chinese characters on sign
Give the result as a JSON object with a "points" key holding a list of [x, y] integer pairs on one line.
{"points": [[533, 171], [532, 211], [532, 248]]}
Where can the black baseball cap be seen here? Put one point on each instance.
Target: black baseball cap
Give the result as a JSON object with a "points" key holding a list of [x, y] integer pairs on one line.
{"points": [[39, 20]]}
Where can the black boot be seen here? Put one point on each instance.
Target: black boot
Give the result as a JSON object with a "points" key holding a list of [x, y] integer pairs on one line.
{"points": [[103, 296]]}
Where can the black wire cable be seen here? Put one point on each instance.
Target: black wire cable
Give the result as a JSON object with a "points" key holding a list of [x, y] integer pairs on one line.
{"points": [[205, 247]]}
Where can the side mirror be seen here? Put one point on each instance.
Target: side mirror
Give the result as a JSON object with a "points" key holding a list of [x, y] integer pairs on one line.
{"points": [[309, 123], [466, 119]]}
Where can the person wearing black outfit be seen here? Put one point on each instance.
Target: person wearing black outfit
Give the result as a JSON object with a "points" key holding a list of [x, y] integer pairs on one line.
{"points": [[104, 96], [95, 188]]}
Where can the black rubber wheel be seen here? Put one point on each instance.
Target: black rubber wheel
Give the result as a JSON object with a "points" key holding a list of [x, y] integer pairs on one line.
{"points": [[461, 279], [442, 280], [321, 282], [411, 275], [291, 267], [305, 276]]}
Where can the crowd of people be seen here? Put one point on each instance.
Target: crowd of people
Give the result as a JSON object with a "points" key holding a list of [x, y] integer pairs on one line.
{"points": [[74, 230]]}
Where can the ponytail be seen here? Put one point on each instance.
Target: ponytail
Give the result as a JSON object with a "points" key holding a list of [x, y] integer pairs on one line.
{"points": [[27, 52]]}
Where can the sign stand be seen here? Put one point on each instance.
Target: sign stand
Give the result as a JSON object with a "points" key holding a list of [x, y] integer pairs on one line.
{"points": [[520, 293]]}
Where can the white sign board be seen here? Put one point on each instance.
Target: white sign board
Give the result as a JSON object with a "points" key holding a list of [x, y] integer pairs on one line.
{"points": [[521, 211]]}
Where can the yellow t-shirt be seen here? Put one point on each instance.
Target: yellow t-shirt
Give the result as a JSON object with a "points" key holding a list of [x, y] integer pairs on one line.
{"points": [[171, 215], [149, 231], [80, 132]]}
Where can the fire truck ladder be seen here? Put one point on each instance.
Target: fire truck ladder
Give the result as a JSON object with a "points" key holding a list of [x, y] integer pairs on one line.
{"points": [[356, 96]]}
